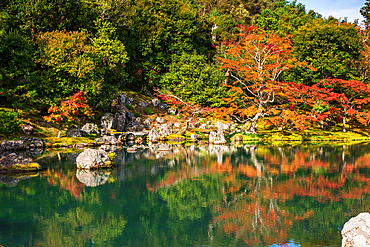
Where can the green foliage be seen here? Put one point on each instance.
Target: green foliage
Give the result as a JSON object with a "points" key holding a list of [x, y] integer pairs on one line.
{"points": [[137, 114], [9, 122], [18, 83], [130, 107], [156, 30], [148, 111], [329, 47], [195, 81]]}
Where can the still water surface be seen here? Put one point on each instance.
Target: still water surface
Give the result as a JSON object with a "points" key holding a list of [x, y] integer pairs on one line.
{"points": [[252, 195]]}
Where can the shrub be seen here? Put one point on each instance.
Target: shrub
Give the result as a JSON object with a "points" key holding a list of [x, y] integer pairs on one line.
{"points": [[137, 114], [148, 111], [130, 107], [9, 122]]}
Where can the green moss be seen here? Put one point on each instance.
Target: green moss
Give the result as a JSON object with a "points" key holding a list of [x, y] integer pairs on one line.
{"points": [[20, 167]]}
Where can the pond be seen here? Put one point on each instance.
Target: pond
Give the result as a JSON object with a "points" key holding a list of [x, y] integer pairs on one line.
{"points": [[190, 195]]}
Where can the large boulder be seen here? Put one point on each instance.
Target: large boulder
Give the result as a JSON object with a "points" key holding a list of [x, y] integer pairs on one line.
{"points": [[92, 178], [219, 137], [93, 159], [155, 102], [27, 129], [106, 121], [154, 135], [74, 131], [122, 99], [17, 163], [356, 231], [119, 122]]}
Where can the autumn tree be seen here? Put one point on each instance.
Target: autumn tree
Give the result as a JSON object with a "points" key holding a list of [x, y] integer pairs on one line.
{"points": [[66, 113], [256, 62]]}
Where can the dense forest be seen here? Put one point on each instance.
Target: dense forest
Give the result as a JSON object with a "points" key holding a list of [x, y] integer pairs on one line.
{"points": [[244, 59]]}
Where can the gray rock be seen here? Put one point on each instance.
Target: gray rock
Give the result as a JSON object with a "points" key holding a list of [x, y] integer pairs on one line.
{"points": [[35, 143], [147, 124], [119, 122], [92, 178], [212, 137], [220, 134], [92, 159], [356, 231], [129, 101], [197, 125], [159, 120], [203, 126], [165, 130], [130, 116], [155, 102], [163, 106], [74, 131], [191, 126], [134, 124], [108, 140], [13, 145], [106, 121], [90, 128], [143, 104], [177, 125], [27, 129], [122, 99], [154, 135]]}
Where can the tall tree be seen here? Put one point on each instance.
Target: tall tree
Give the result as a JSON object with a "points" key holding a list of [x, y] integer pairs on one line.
{"points": [[256, 61]]}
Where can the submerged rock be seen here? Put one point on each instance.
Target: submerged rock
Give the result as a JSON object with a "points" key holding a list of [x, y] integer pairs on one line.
{"points": [[356, 231], [93, 159]]}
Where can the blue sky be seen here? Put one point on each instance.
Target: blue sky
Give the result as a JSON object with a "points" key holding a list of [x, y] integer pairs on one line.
{"points": [[336, 8]]}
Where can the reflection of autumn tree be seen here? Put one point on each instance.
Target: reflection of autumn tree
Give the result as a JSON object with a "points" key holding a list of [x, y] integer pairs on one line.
{"points": [[66, 180], [261, 194]]}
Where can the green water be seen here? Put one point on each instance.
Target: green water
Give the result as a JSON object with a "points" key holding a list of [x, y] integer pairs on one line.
{"points": [[190, 196]]}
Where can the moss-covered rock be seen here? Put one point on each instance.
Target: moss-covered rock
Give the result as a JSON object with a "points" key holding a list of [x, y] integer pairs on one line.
{"points": [[15, 163]]}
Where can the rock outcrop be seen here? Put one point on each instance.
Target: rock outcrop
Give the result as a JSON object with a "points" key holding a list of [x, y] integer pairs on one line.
{"points": [[93, 159], [154, 135], [356, 231], [74, 131]]}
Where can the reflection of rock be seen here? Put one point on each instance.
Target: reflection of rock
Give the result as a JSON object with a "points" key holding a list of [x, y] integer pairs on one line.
{"points": [[92, 159], [12, 181], [92, 178], [356, 232]]}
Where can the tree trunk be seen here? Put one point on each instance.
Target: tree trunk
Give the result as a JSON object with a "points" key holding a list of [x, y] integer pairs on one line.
{"points": [[344, 124], [253, 128]]}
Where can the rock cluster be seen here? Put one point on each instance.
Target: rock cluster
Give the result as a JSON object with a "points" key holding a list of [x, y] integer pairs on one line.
{"points": [[14, 163], [24, 143]]}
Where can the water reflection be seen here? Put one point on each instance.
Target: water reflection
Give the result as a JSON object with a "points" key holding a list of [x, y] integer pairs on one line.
{"points": [[189, 195]]}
